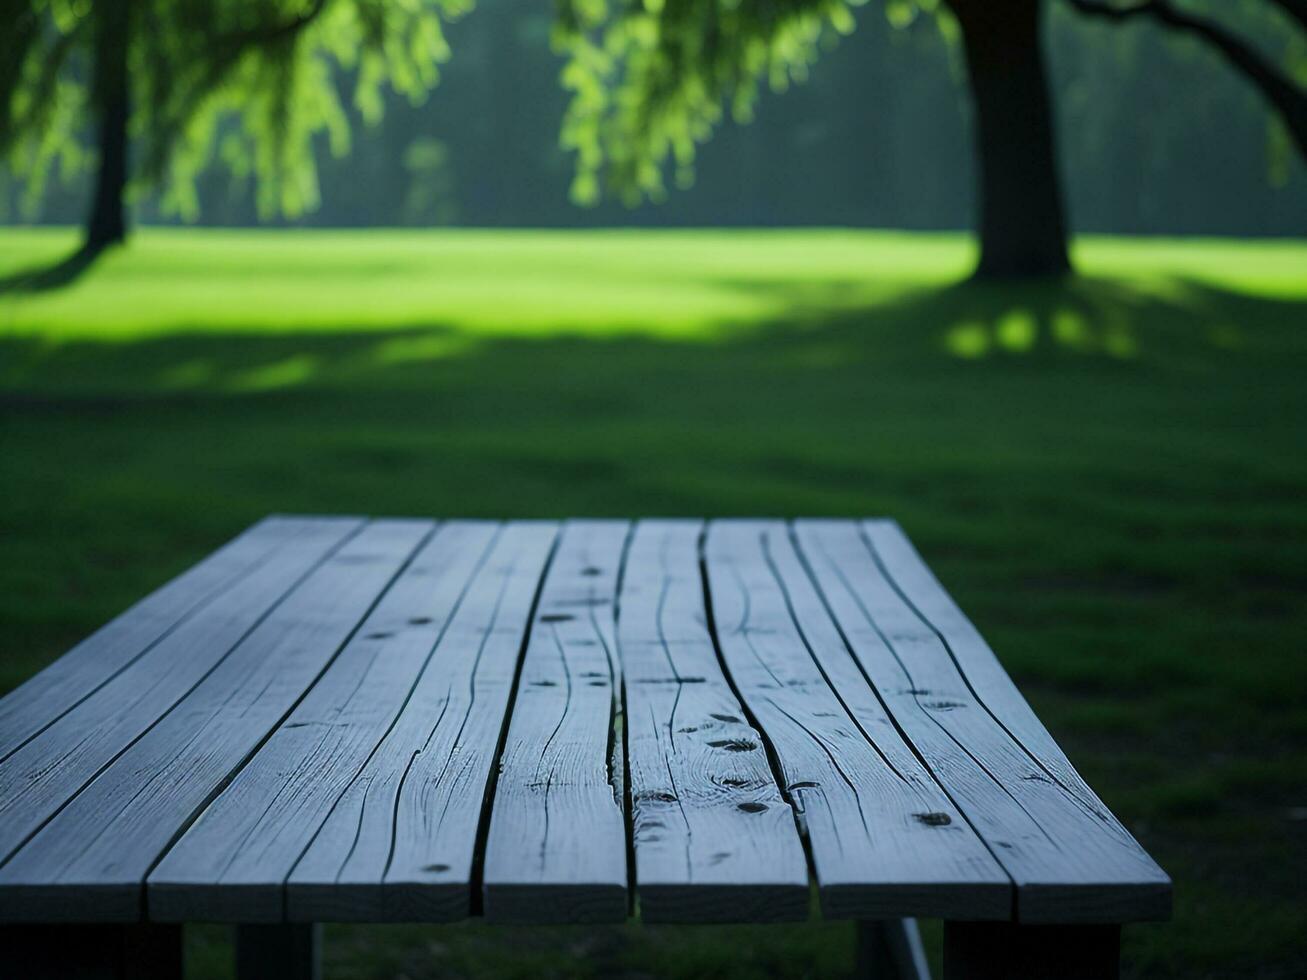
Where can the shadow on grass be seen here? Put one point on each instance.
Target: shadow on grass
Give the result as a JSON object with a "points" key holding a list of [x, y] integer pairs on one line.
{"points": [[1058, 326], [1108, 476], [977, 415], [57, 275]]}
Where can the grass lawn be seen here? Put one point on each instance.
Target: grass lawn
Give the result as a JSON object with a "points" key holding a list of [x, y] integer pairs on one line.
{"points": [[1110, 475]]}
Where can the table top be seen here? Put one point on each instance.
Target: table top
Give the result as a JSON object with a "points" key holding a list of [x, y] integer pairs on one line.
{"points": [[341, 719]]}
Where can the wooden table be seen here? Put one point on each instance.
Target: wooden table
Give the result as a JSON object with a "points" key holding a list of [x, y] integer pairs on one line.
{"points": [[333, 719]]}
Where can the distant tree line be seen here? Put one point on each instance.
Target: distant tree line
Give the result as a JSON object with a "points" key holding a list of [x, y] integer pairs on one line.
{"points": [[243, 111]]}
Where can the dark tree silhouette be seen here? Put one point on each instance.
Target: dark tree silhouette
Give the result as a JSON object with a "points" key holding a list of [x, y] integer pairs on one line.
{"points": [[110, 95], [1021, 224]]}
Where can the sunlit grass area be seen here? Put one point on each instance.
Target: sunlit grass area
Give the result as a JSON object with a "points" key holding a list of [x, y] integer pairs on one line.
{"points": [[683, 284], [1109, 474], [529, 283]]}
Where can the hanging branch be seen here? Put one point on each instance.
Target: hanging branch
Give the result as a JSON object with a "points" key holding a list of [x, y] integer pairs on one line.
{"points": [[1287, 99], [1295, 9], [225, 52]]}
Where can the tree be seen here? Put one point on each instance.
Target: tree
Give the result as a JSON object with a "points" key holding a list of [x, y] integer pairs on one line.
{"points": [[1022, 224], [650, 81], [1286, 98], [166, 88]]}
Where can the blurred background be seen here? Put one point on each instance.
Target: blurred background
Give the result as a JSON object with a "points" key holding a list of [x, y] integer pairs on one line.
{"points": [[705, 258], [1156, 138]]}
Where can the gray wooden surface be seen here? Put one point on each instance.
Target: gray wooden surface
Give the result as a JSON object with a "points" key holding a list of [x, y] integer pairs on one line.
{"points": [[49, 770], [108, 837], [34, 706], [1069, 862], [557, 844], [232, 865], [885, 839], [714, 838], [1130, 886], [401, 843], [330, 719]]}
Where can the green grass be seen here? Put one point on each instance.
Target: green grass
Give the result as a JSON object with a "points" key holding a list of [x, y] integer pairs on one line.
{"points": [[1109, 474]]}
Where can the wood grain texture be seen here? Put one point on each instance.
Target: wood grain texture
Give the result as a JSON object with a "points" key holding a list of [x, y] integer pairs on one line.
{"points": [[232, 865], [556, 850], [401, 843], [54, 766], [714, 839], [313, 724], [46, 697], [999, 696], [90, 861], [886, 842], [1070, 861]]}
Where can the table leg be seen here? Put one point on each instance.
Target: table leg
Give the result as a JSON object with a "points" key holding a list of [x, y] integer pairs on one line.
{"points": [[1009, 951], [278, 952], [891, 948], [91, 952]]}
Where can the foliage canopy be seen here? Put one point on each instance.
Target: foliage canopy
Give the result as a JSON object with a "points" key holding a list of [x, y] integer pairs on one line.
{"points": [[248, 85], [649, 79]]}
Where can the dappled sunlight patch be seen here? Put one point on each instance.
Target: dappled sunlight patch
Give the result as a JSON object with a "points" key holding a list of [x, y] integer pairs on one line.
{"points": [[1086, 317], [286, 373], [969, 340], [1120, 342], [423, 347], [1020, 331], [1017, 331], [262, 311], [1071, 330]]}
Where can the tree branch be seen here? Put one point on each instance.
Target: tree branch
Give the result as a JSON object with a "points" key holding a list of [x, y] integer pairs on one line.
{"points": [[42, 93], [1294, 9], [1285, 97], [279, 32], [225, 53]]}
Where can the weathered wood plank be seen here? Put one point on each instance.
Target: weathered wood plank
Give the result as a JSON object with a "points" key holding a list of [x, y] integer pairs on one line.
{"points": [[400, 844], [1069, 861], [714, 839], [998, 695], [90, 861], [46, 697], [51, 768], [886, 841], [232, 865], [556, 850], [924, 781]]}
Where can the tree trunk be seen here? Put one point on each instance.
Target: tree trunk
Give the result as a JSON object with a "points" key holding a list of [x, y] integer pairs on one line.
{"points": [[1022, 224], [107, 223]]}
